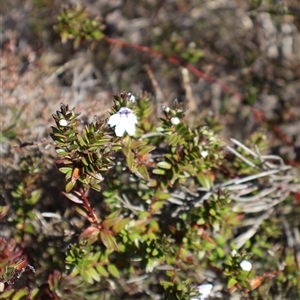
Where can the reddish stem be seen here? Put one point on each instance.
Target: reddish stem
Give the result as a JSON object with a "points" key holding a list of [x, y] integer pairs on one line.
{"points": [[175, 61], [177, 261], [88, 207]]}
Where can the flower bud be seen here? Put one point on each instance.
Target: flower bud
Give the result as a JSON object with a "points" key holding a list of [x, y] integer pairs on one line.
{"points": [[246, 265], [175, 120], [167, 109], [204, 153], [63, 123]]}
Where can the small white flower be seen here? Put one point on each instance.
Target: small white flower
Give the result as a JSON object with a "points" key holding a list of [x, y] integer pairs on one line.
{"points": [[124, 120], [204, 153], [131, 97], [233, 252], [63, 123], [246, 265], [166, 109], [175, 120], [204, 290]]}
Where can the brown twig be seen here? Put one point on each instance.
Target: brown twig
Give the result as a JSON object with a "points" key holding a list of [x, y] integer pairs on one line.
{"points": [[89, 208], [176, 61], [159, 94]]}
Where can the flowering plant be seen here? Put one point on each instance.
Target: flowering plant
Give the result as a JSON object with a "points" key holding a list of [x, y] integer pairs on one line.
{"points": [[148, 201]]}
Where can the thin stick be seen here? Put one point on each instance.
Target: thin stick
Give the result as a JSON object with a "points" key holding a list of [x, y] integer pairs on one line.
{"points": [[88, 207], [159, 94]]}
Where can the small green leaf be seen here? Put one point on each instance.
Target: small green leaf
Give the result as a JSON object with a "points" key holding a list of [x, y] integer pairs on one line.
{"points": [[162, 195], [231, 283], [94, 274], [87, 276], [111, 221], [3, 211], [159, 171], [155, 252], [7, 294], [143, 172], [65, 170], [69, 186], [205, 180], [20, 294], [102, 271], [212, 212], [109, 241], [64, 36], [81, 141], [164, 165], [152, 183], [81, 212], [146, 149], [34, 197], [113, 271], [120, 225], [140, 224], [28, 228], [90, 234], [157, 206], [166, 284], [130, 161]]}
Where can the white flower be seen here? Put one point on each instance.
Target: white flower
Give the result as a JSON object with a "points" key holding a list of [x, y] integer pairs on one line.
{"points": [[204, 153], [166, 109], [246, 265], [63, 123], [124, 120], [204, 290], [131, 97], [175, 120]]}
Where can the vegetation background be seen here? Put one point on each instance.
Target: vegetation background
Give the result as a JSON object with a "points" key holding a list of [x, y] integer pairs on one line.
{"points": [[249, 56]]}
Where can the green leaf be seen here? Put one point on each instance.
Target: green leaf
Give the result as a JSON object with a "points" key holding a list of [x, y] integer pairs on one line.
{"points": [[109, 241], [20, 294], [111, 221], [155, 252], [146, 149], [164, 165], [159, 171], [28, 228], [162, 195], [113, 270], [90, 234], [87, 276], [66, 170], [152, 183], [166, 284], [212, 212], [7, 294], [34, 197], [94, 274], [64, 36], [102, 271], [143, 172], [130, 161], [3, 211], [231, 283], [120, 225], [157, 206], [205, 180], [69, 186], [81, 141]]}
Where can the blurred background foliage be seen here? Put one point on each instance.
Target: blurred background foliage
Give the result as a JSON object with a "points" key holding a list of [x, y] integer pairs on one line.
{"points": [[252, 47]]}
